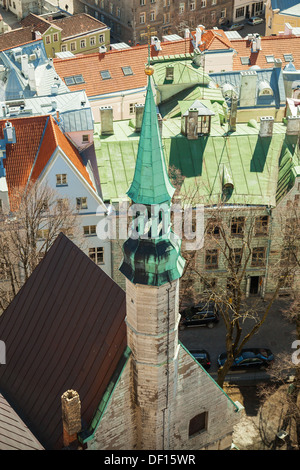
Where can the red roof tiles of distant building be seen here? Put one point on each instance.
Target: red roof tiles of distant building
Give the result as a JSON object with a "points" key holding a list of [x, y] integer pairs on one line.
{"points": [[37, 138], [90, 66]]}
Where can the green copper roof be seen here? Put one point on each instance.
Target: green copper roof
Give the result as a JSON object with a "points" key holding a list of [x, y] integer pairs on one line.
{"points": [[151, 184], [260, 168]]}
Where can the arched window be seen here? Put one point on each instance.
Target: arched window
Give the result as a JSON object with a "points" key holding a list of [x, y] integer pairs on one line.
{"points": [[198, 424]]}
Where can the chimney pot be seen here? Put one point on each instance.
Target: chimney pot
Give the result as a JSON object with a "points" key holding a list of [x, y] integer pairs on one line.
{"points": [[266, 126], [71, 416]]}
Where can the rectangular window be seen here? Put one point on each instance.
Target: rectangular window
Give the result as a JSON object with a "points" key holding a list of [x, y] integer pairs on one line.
{"points": [[212, 229], [181, 8], [288, 57], [127, 70], [89, 230], [61, 179], [132, 108], [240, 12], [203, 3], [211, 259], [73, 46], [223, 13], [270, 59], [142, 3], [92, 41], [237, 226], [81, 203], [101, 38], [142, 18], [55, 37], [42, 234], [85, 138], [258, 256], [64, 48], [105, 75], [82, 44], [198, 424], [213, 2], [261, 226], [48, 39], [237, 256], [193, 5], [152, 15], [97, 255]]}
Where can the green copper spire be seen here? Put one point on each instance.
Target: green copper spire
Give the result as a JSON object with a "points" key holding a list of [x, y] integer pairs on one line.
{"points": [[153, 257], [151, 184]]}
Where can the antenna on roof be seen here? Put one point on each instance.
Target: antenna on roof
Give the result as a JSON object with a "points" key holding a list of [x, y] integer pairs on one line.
{"points": [[148, 34]]}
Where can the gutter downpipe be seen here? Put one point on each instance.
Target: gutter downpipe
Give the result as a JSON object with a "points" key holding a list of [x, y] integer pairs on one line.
{"points": [[269, 211]]}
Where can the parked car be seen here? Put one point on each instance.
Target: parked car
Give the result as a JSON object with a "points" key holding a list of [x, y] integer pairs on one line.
{"points": [[255, 20], [202, 314], [235, 27], [201, 356], [249, 357]]}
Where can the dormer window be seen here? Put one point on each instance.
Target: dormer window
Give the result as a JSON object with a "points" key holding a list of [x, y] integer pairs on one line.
{"points": [[264, 88], [196, 121]]}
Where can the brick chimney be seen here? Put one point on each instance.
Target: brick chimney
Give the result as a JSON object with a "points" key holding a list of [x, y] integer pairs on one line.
{"points": [[71, 416]]}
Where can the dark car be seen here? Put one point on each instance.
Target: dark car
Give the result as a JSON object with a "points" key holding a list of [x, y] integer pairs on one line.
{"points": [[202, 314], [250, 357], [201, 356]]}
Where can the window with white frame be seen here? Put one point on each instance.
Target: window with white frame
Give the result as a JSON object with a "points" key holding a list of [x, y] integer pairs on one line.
{"points": [[92, 41], [203, 4], [82, 43], [193, 5], [181, 7], [101, 38], [73, 46], [81, 203], [89, 230], [152, 15], [55, 37], [142, 18], [48, 39], [61, 179], [97, 254], [223, 13]]}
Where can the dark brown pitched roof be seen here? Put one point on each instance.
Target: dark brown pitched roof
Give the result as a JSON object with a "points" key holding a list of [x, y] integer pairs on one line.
{"points": [[64, 330], [15, 37], [36, 23], [14, 434], [77, 24]]}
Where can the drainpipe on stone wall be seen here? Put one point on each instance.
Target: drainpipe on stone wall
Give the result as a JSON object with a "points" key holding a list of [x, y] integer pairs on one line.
{"points": [[269, 211], [168, 371]]}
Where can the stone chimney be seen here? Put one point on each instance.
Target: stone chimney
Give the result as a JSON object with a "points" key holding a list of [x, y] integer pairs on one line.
{"points": [[266, 126], [293, 125], [139, 112], [106, 116], [192, 124], [31, 78], [24, 65], [71, 416], [233, 114], [248, 88], [170, 72]]}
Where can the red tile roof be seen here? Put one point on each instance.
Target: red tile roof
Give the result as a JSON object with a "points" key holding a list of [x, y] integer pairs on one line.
{"points": [[136, 57], [213, 39], [36, 139], [64, 330], [271, 45]]}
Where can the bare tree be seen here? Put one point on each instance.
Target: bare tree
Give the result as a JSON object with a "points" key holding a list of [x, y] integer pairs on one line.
{"points": [[27, 234], [231, 239]]}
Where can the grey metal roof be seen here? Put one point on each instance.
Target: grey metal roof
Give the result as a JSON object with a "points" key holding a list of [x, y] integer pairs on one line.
{"points": [[80, 119], [273, 76]]}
